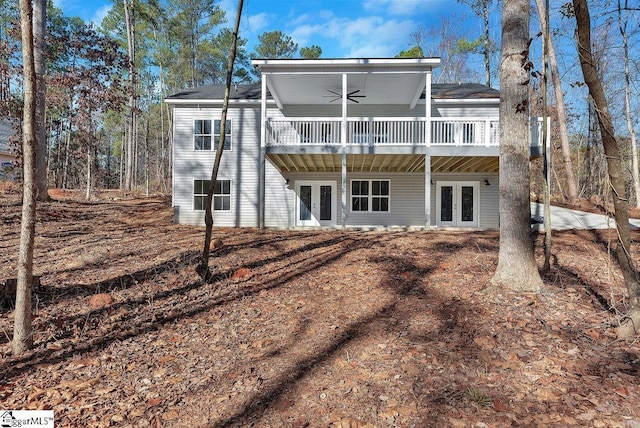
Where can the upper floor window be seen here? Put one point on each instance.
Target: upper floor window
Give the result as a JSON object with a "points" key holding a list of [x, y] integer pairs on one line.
{"points": [[370, 195], [227, 133], [202, 134], [205, 139]]}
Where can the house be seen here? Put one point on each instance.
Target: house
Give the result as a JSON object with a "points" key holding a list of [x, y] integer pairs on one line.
{"points": [[8, 159], [7, 419], [341, 143]]}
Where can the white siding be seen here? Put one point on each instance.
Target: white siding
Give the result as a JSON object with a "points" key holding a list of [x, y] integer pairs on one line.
{"points": [[406, 201], [465, 110], [240, 165], [280, 199]]}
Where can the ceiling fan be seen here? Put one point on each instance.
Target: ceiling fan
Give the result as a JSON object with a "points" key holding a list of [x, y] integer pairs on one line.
{"points": [[350, 96]]}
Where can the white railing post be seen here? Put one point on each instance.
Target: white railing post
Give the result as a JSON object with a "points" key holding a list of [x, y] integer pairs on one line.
{"points": [[487, 132]]}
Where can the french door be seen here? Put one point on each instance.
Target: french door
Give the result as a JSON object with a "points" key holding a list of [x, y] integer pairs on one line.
{"points": [[316, 204], [457, 203]]}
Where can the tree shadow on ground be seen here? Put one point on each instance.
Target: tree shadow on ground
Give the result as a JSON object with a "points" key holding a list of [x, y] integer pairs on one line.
{"points": [[408, 279], [170, 306]]}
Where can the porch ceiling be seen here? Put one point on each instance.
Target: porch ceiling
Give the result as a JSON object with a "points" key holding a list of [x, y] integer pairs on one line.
{"points": [[464, 164], [293, 162], [381, 81], [310, 89]]}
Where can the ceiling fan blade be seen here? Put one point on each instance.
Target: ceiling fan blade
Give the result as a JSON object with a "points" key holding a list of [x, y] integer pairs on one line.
{"points": [[350, 96]]}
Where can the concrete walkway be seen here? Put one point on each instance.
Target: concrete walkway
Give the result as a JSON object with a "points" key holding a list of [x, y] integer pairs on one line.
{"points": [[564, 218]]}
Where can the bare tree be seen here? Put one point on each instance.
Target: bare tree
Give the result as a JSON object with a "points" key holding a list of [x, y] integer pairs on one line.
{"points": [[630, 325], [133, 108], [40, 48], [622, 26], [481, 8], [22, 329], [544, 21], [517, 267], [203, 268], [572, 192]]}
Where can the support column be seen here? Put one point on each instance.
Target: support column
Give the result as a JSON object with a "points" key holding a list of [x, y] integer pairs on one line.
{"points": [[262, 158], [427, 156], [427, 189], [343, 139]]}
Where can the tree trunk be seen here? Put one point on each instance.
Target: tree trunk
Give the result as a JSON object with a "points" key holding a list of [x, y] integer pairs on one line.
{"points": [[517, 267], [572, 192], [630, 325], [622, 24], [87, 195], [40, 48], [203, 268], [487, 43], [129, 158], [67, 148], [545, 135], [22, 330]]}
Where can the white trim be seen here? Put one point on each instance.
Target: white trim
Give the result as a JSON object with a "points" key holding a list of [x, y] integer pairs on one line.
{"points": [[274, 94], [465, 100], [369, 196], [212, 135], [419, 91], [315, 199], [358, 62], [231, 194], [212, 101], [456, 220]]}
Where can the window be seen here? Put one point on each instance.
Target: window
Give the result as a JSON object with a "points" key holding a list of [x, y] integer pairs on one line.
{"points": [[202, 135], [370, 195], [204, 139], [221, 195], [227, 133]]}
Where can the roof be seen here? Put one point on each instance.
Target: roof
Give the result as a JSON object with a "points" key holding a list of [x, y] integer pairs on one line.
{"points": [[216, 92], [459, 91], [445, 91], [339, 65], [373, 81]]}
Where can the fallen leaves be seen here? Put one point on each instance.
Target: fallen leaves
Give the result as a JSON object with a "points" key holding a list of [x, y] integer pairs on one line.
{"points": [[318, 328]]}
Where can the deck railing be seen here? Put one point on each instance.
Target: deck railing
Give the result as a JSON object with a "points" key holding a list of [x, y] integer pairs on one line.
{"points": [[445, 131]]}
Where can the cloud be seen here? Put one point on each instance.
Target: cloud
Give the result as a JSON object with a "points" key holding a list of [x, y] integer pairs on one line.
{"points": [[254, 24], [100, 13], [370, 36], [400, 7]]}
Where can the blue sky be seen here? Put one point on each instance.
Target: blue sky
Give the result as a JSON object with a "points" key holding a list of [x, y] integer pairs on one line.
{"points": [[342, 28]]}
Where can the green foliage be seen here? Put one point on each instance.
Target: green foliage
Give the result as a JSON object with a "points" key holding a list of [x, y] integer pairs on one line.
{"points": [[474, 46], [275, 44], [311, 52], [478, 396], [214, 65], [414, 52]]}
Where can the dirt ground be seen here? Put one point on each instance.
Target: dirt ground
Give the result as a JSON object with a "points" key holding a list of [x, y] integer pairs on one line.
{"points": [[309, 328]]}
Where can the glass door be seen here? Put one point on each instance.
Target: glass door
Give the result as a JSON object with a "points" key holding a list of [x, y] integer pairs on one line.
{"points": [[316, 205], [457, 203]]}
